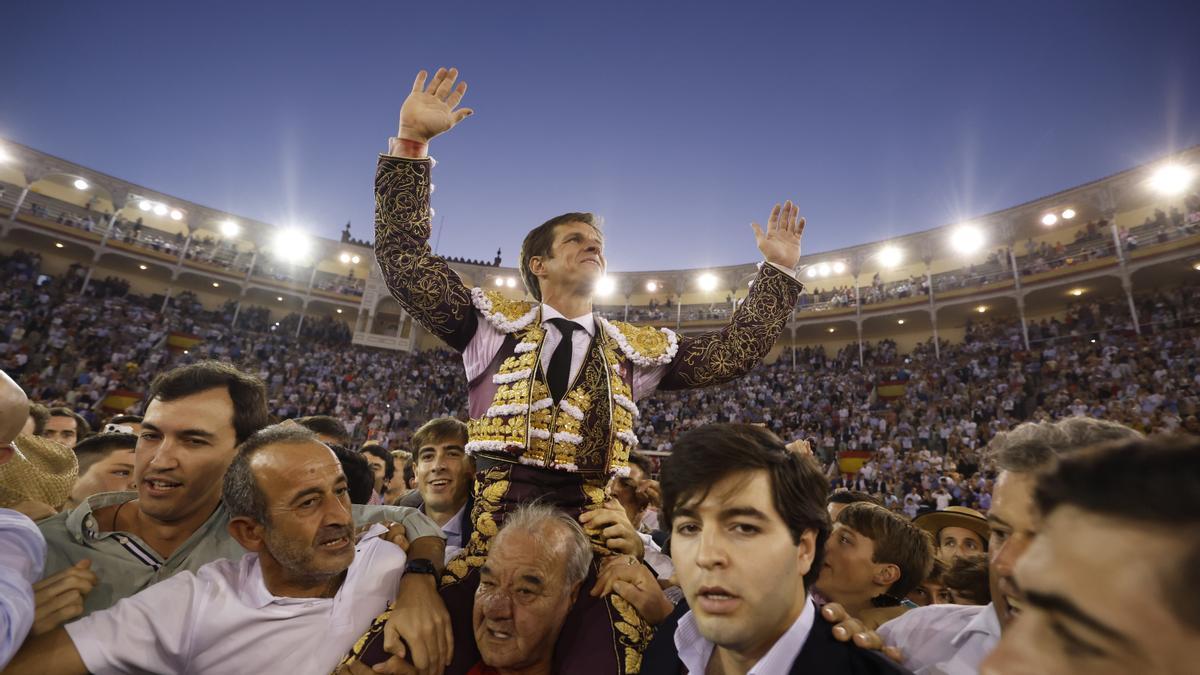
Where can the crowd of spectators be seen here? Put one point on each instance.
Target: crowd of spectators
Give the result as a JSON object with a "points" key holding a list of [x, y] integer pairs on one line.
{"points": [[73, 350]]}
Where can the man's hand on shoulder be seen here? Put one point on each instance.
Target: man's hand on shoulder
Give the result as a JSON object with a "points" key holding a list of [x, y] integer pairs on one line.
{"points": [[848, 629], [780, 243], [429, 111]]}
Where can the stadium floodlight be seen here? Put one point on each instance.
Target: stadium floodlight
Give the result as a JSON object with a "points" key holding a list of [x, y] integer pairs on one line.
{"points": [[1076, 292], [292, 245], [966, 239], [1196, 266], [355, 259], [900, 322], [58, 244], [280, 299], [1068, 214], [890, 256], [338, 310], [511, 282], [145, 205], [823, 269], [143, 267], [839, 267], [230, 229], [81, 184], [216, 285], [981, 309], [707, 281], [1049, 219], [812, 272], [832, 330], [160, 209], [499, 281], [176, 214], [5, 158], [652, 286], [605, 286], [1171, 179], [345, 257]]}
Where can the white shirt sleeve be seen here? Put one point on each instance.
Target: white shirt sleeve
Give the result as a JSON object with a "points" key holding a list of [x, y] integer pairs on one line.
{"points": [[22, 554], [148, 632]]}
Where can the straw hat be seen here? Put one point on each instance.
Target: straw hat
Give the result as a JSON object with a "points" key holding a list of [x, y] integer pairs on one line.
{"points": [[953, 516], [39, 470]]}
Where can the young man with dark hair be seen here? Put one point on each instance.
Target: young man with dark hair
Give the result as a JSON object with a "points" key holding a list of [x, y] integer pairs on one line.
{"points": [[294, 603], [106, 463], [840, 499], [445, 477], [382, 468], [196, 415], [748, 529], [932, 590], [66, 426], [966, 580], [1112, 581], [552, 385], [328, 428], [360, 478], [873, 559]]}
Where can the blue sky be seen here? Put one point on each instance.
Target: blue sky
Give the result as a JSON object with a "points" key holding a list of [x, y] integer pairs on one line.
{"points": [[678, 122]]}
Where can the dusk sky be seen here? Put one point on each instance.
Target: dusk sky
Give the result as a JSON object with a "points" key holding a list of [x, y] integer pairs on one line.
{"points": [[679, 123]]}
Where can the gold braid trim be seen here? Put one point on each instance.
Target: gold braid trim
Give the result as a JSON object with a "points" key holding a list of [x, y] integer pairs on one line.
{"points": [[421, 282], [727, 354]]}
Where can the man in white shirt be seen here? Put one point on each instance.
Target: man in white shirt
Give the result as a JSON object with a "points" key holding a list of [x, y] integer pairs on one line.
{"points": [[748, 525], [296, 603], [22, 548], [951, 639], [1109, 581]]}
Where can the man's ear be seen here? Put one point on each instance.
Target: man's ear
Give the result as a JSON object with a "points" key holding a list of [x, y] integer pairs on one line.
{"points": [[886, 574], [248, 532], [807, 550], [537, 265], [575, 591]]}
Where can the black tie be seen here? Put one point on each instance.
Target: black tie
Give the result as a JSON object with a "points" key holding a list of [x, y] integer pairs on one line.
{"points": [[559, 374]]}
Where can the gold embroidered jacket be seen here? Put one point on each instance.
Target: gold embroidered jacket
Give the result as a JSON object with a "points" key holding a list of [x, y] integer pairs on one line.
{"points": [[591, 429]]}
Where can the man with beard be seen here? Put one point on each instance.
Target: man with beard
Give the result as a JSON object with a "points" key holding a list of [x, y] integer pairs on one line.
{"points": [[295, 603], [116, 544]]}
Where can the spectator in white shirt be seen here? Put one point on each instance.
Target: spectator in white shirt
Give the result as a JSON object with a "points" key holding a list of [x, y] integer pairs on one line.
{"points": [[306, 585], [22, 548], [953, 639], [1110, 582]]}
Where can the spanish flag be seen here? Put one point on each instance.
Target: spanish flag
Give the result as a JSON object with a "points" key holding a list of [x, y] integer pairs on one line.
{"points": [[119, 400], [890, 389], [850, 461], [178, 342]]}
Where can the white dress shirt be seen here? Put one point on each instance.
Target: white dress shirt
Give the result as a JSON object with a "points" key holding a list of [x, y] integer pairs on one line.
{"points": [[222, 619], [944, 639], [695, 651], [454, 536], [22, 554]]}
